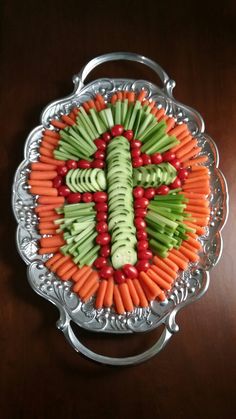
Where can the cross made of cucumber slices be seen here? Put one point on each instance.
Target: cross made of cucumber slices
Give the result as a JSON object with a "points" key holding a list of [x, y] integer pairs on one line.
{"points": [[118, 180]]}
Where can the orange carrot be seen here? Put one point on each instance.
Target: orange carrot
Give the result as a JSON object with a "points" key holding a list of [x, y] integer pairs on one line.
{"points": [[45, 152], [150, 284], [51, 133], [142, 94], [154, 111], [45, 250], [170, 123], [91, 292], [193, 179], [131, 97], [113, 99], [72, 115], [190, 154], [86, 106], [118, 301], [47, 225], [196, 185], [80, 272], [199, 230], [198, 203], [147, 292], [39, 190], [161, 296], [58, 124], [140, 292], [75, 111], [186, 148], [48, 214], [200, 172], [67, 120], [68, 274], [51, 200], [185, 141], [193, 242], [65, 267], [183, 135], [158, 280], [204, 189], [197, 168], [189, 254], [161, 263], [180, 262], [52, 241], [133, 292], [101, 100], [45, 144], [43, 175], [190, 247], [44, 183], [53, 259], [81, 281], [50, 160], [42, 166], [160, 113], [200, 221], [48, 232], [101, 293], [119, 95], [98, 105], [108, 297], [180, 255], [125, 296], [171, 264], [198, 209], [59, 263], [193, 162], [91, 104], [163, 274], [42, 208], [179, 129], [50, 218], [90, 281]]}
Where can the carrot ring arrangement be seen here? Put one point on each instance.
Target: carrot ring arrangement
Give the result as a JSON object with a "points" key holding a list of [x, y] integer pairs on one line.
{"points": [[122, 197]]}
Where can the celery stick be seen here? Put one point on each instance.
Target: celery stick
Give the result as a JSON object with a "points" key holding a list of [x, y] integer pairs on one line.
{"points": [[157, 246], [118, 112], [168, 146], [137, 106], [100, 126], [149, 118], [90, 256]]}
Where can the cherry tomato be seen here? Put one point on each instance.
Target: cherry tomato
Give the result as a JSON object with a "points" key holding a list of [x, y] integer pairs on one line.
{"points": [[141, 235], [103, 238], [119, 277], [135, 144], [138, 192], [142, 265], [100, 262], [83, 164], [168, 156], [129, 134], [100, 155], [106, 136], [176, 184], [176, 163], [137, 162], [139, 223], [130, 271], [63, 190], [87, 197], [100, 197], [146, 158], [62, 170], [74, 198], [117, 130], [99, 164], [141, 202], [162, 190], [142, 245], [145, 254], [101, 206], [101, 216], [71, 164], [57, 181], [101, 227], [140, 212], [149, 193], [182, 174], [106, 272], [135, 152], [101, 144], [105, 251], [156, 158]]}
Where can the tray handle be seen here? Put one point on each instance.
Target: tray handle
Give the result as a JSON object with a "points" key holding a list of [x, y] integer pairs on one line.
{"points": [[64, 324], [79, 79]]}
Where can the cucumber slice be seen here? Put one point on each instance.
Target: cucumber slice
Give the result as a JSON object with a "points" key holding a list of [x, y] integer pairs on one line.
{"points": [[123, 255]]}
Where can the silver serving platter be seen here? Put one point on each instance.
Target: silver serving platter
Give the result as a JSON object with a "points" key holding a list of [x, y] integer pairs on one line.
{"points": [[190, 285]]}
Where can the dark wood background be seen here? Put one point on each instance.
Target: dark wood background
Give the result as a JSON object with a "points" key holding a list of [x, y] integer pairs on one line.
{"points": [[42, 45]]}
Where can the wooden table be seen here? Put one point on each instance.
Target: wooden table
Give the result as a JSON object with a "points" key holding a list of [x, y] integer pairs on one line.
{"points": [[41, 376]]}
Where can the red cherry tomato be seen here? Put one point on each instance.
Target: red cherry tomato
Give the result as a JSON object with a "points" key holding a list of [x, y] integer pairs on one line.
{"points": [[139, 223], [141, 203], [142, 265], [140, 212], [130, 271], [119, 277], [57, 181], [149, 193], [138, 192], [176, 163], [145, 254], [101, 206], [156, 158], [176, 184], [135, 144], [84, 164], [106, 272], [162, 190], [101, 227], [63, 190], [100, 197], [62, 170], [146, 158], [103, 238], [99, 164], [74, 198], [137, 162], [117, 130], [168, 156], [100, 155], [100, 262], [101, 144], [141, 235], [129, 134], [101, 216], [87, 197], [106, 136], [71, 164], [182, 174], [142, 245], [105, 251], [135, 153]]}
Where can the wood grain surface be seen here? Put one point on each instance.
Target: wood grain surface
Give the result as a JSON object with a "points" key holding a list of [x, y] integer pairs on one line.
{"points": [[42, 45]]}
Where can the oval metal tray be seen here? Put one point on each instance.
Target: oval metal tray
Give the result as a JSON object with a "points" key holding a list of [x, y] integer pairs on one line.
{"points": [[190, 285]]}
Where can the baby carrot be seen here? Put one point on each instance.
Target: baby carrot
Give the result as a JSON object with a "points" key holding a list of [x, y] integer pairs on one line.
{"points": [[195, 185], [51, 200], [108, 297], [193, 162], [171, 264], [118, 301], [170, 123], [45, 152], [50, 140], [91, 104], [179, 254], [180, 262], [140, 292], [142, 94], [133, 293], [86, 106], [91, 292], [39, 190], [198, 209], [131, 96], [51, 133], [47, 225], [58, 124], [45, 250], [185, 141], [53, 259], [90, 281], [113, 99], [68, 274], [193, 242], [42, 208], [199, 230], [43, 175], [65, 267], [154, 111], [186, 148], [190, 247], [150, 284], [193, 257], [50, 160], [81, 281], [190, 154], [161, 263], [42, 166], [47, 231], [179, 129], [200, 221], [193, 179], [119, 95], [59, 263], [100, 294], [44, 183], [72, 115], [196, 169], [48, 214], [101, 100], [52, 241], [98, 105], [160, 113], [158, 280], [45, 144], [80, 272], [163, 274], [125, 296], [184, 134], [50, 218], [67, 120]]}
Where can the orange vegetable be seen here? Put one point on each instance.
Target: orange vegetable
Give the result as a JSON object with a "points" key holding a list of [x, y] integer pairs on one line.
{"points": [[51, 133], [45, 144], [133, 292], [193, 257], [163, 274], [45, 152], [49, 213], [118, 301], [150, 284], [50, 140], [90, 281], [142, 94], [47, 231], [98, 105], [194, 195], [191, 180], [158, 280], [184, 149], [101, 293], [86, 106], [171, 264], [91, 292], [53, 259], [42, 166], [52, 241], [82, 280], [42, 208], [193, 162], [68, 274], [65, 267], [142, 298], [131, 97], [58, 124], [68, 120], [39, 190], [59, 263], [113, 99], [43, 175], [51, 200], [119, 95], [170, 123], [179, 129], [161, 263], [180, 262], [80, 272], [190, 154], [190, 247], [108, 298], [45, 250], [183, 135], [91, 104], [196, 184], [125, 296], [198, 209], [185, 141], [160, 113], [101, 100], [199, 230], [193, 242], [47, 225], [50, 160], [197, 168], [154, 111], [44, 183]]}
